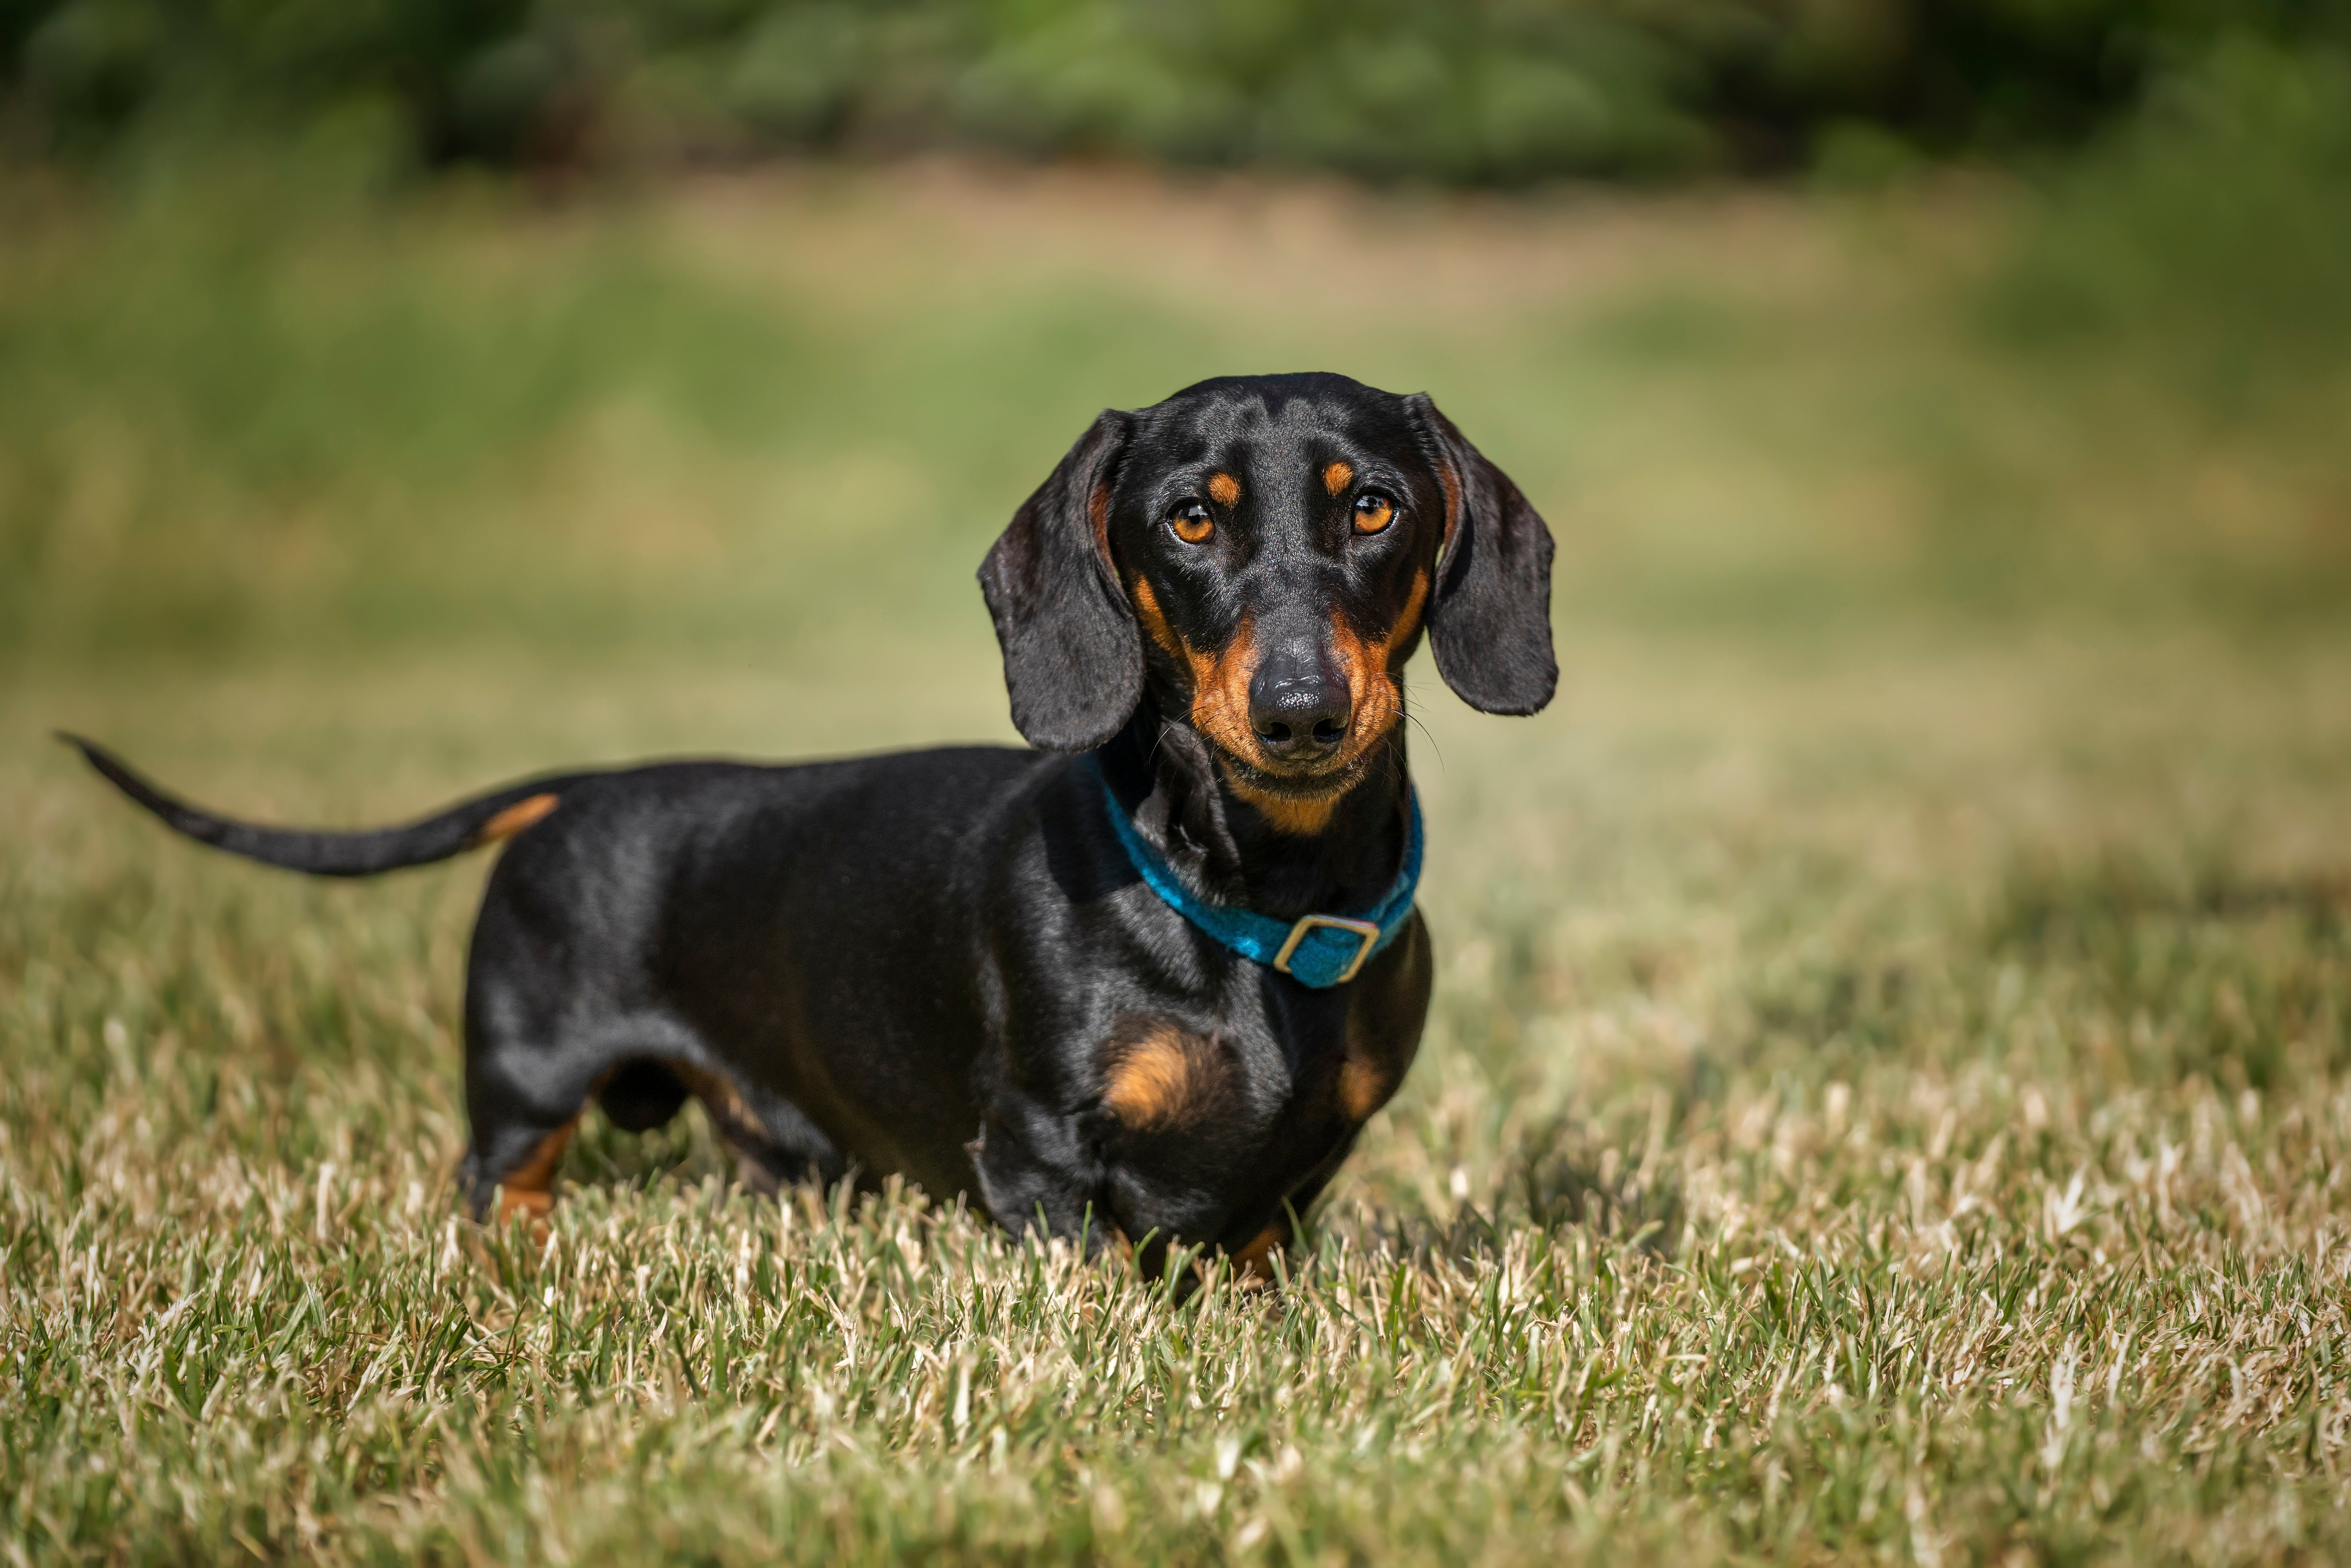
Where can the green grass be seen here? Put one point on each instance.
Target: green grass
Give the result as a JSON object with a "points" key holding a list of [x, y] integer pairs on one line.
{"points": [[1889, 1087]]}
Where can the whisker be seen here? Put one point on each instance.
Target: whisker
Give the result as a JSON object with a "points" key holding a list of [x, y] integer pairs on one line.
{"points": [[1406, 705]]}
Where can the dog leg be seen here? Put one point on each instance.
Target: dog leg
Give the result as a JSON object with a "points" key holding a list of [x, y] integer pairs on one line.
{"points": [[773, 1141], [513, 1171]]}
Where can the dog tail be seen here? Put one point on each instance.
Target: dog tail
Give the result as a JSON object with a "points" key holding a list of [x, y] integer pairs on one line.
{"points": [[484, 820]]}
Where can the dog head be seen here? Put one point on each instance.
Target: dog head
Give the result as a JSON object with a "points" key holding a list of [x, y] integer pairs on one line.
{"points": [[1264, 553]]}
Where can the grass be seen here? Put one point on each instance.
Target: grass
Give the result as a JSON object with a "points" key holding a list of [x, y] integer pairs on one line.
{"points": [[1887, 1098]]}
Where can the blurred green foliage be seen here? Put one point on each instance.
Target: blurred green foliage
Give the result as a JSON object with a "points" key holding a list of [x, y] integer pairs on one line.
{"points": [[1487, 91], [2213, 226], [251, 401]]}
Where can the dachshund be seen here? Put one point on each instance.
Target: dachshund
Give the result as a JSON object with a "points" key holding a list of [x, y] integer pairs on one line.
{"points": [[1141, 985]]}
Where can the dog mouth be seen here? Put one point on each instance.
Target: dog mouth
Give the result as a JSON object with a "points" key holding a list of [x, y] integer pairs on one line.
{"points": [[1303, 779]]}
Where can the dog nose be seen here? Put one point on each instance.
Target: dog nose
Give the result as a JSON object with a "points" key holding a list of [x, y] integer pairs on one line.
{"points": [[1299, 706]]}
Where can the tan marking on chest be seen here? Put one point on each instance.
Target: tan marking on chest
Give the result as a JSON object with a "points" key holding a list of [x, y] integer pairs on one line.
{"points": [[1372, 1068], [512, 820], [1364, 1087], [1157, 1077]]}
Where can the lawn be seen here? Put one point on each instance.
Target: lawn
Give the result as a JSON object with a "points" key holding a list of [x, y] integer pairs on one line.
{"points": [[1889, 1094]]}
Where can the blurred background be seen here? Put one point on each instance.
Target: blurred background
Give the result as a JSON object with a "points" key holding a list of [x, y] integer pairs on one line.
{"points": [[393, 396], [627, 325]]}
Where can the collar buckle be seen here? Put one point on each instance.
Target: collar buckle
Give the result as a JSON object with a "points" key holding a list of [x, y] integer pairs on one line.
{"points": [[1367, 935]]}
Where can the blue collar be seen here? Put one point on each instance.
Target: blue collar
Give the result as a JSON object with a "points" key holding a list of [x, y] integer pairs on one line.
{"points": [[1318, 950]]}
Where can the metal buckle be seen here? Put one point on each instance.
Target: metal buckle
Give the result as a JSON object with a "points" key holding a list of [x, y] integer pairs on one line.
{"points": [[1369, 932]]}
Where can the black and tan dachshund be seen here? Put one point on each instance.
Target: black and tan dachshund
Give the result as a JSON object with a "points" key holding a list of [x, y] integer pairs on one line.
{"points": [[1147, 981]]}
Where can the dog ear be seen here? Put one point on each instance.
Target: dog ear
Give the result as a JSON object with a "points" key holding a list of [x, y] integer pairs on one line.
{"points": [[1490, 623], [1072, 652]]}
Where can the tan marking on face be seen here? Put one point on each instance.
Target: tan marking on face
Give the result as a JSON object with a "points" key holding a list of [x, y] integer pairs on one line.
{"points": [[1374, 694], [1220, 703], [1220, 681], [1407, 621], [529, 1187], [1299, 816], [1255, 1261], [1224, 489], [512, 820], [1160, 1077], [1153, 619], [1337, 477], [1220, 687]]}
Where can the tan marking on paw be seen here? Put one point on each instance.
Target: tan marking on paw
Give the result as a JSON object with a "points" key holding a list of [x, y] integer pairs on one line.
{"points": [[732, 1118], [529, 1187], [1255, 1261]]}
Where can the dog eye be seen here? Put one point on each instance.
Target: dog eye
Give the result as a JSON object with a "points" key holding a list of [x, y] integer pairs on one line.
{"points": [[1191, 522], [1373, 512]]}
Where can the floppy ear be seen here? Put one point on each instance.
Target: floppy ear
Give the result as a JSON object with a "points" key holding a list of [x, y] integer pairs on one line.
{"points": [[1490, 623], [1073, 654]]}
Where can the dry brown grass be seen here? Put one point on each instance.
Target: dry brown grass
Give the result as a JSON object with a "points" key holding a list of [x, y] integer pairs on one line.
{"points": [[1897, 1114]]}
